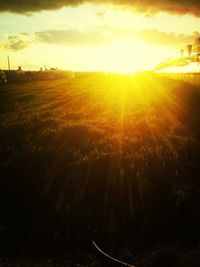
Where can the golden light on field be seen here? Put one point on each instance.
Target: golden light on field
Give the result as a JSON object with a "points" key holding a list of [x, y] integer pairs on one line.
{"points": [[138, 104], [100, 132], [127, 121]]}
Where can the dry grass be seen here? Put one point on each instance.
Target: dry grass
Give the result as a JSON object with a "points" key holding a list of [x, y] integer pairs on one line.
{"points": [[105, 151]]}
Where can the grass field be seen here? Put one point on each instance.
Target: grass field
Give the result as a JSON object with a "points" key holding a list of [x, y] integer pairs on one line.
{"points": [[112, 154]]}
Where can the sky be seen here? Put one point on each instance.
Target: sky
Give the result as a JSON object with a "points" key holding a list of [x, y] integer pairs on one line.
{"points": [[118, 36]]}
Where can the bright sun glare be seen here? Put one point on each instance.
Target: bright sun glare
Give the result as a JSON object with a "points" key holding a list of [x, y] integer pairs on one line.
{"points": [[128, 56], [125, 56]]}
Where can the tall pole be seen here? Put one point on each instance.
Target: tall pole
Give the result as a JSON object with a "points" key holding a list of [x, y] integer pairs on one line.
{"points": [[8, 63]]}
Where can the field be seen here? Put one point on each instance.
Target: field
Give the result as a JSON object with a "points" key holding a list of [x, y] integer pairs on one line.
{"points": [[109, 157]]}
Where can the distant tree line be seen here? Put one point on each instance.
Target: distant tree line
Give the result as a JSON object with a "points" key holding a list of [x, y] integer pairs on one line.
{"points": [[12, 76]]}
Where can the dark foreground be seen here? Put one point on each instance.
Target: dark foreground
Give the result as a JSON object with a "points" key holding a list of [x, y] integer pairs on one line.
{"points": [[108, 158]]}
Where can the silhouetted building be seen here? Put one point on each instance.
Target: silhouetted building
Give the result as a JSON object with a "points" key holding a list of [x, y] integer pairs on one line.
{"points": [[3, 78], [196, 46], [189, 49]]}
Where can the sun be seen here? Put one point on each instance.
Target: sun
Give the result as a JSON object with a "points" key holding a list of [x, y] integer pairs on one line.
{"points": [[126, 56]]}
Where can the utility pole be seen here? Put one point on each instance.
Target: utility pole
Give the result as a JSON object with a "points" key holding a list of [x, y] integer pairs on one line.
{"points": [[8, 62]]}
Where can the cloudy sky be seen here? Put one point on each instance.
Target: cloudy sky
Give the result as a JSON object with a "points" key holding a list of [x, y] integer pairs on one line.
{"points": [[98, 35]]}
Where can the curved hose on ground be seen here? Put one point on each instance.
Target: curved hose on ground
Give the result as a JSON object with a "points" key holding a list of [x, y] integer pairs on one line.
{"points": [[110, 257]]}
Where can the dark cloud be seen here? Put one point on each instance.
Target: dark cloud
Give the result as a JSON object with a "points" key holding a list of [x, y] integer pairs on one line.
{"points": [[153, 36], [14, 43], [26, 6], [145, 6], [70, 37]]}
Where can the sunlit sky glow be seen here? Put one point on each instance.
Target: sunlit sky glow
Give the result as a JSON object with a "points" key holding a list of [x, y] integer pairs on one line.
{"points": [[93, 37]]}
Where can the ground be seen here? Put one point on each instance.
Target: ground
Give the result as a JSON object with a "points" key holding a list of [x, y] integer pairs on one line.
{"points": [[108, 157]]}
